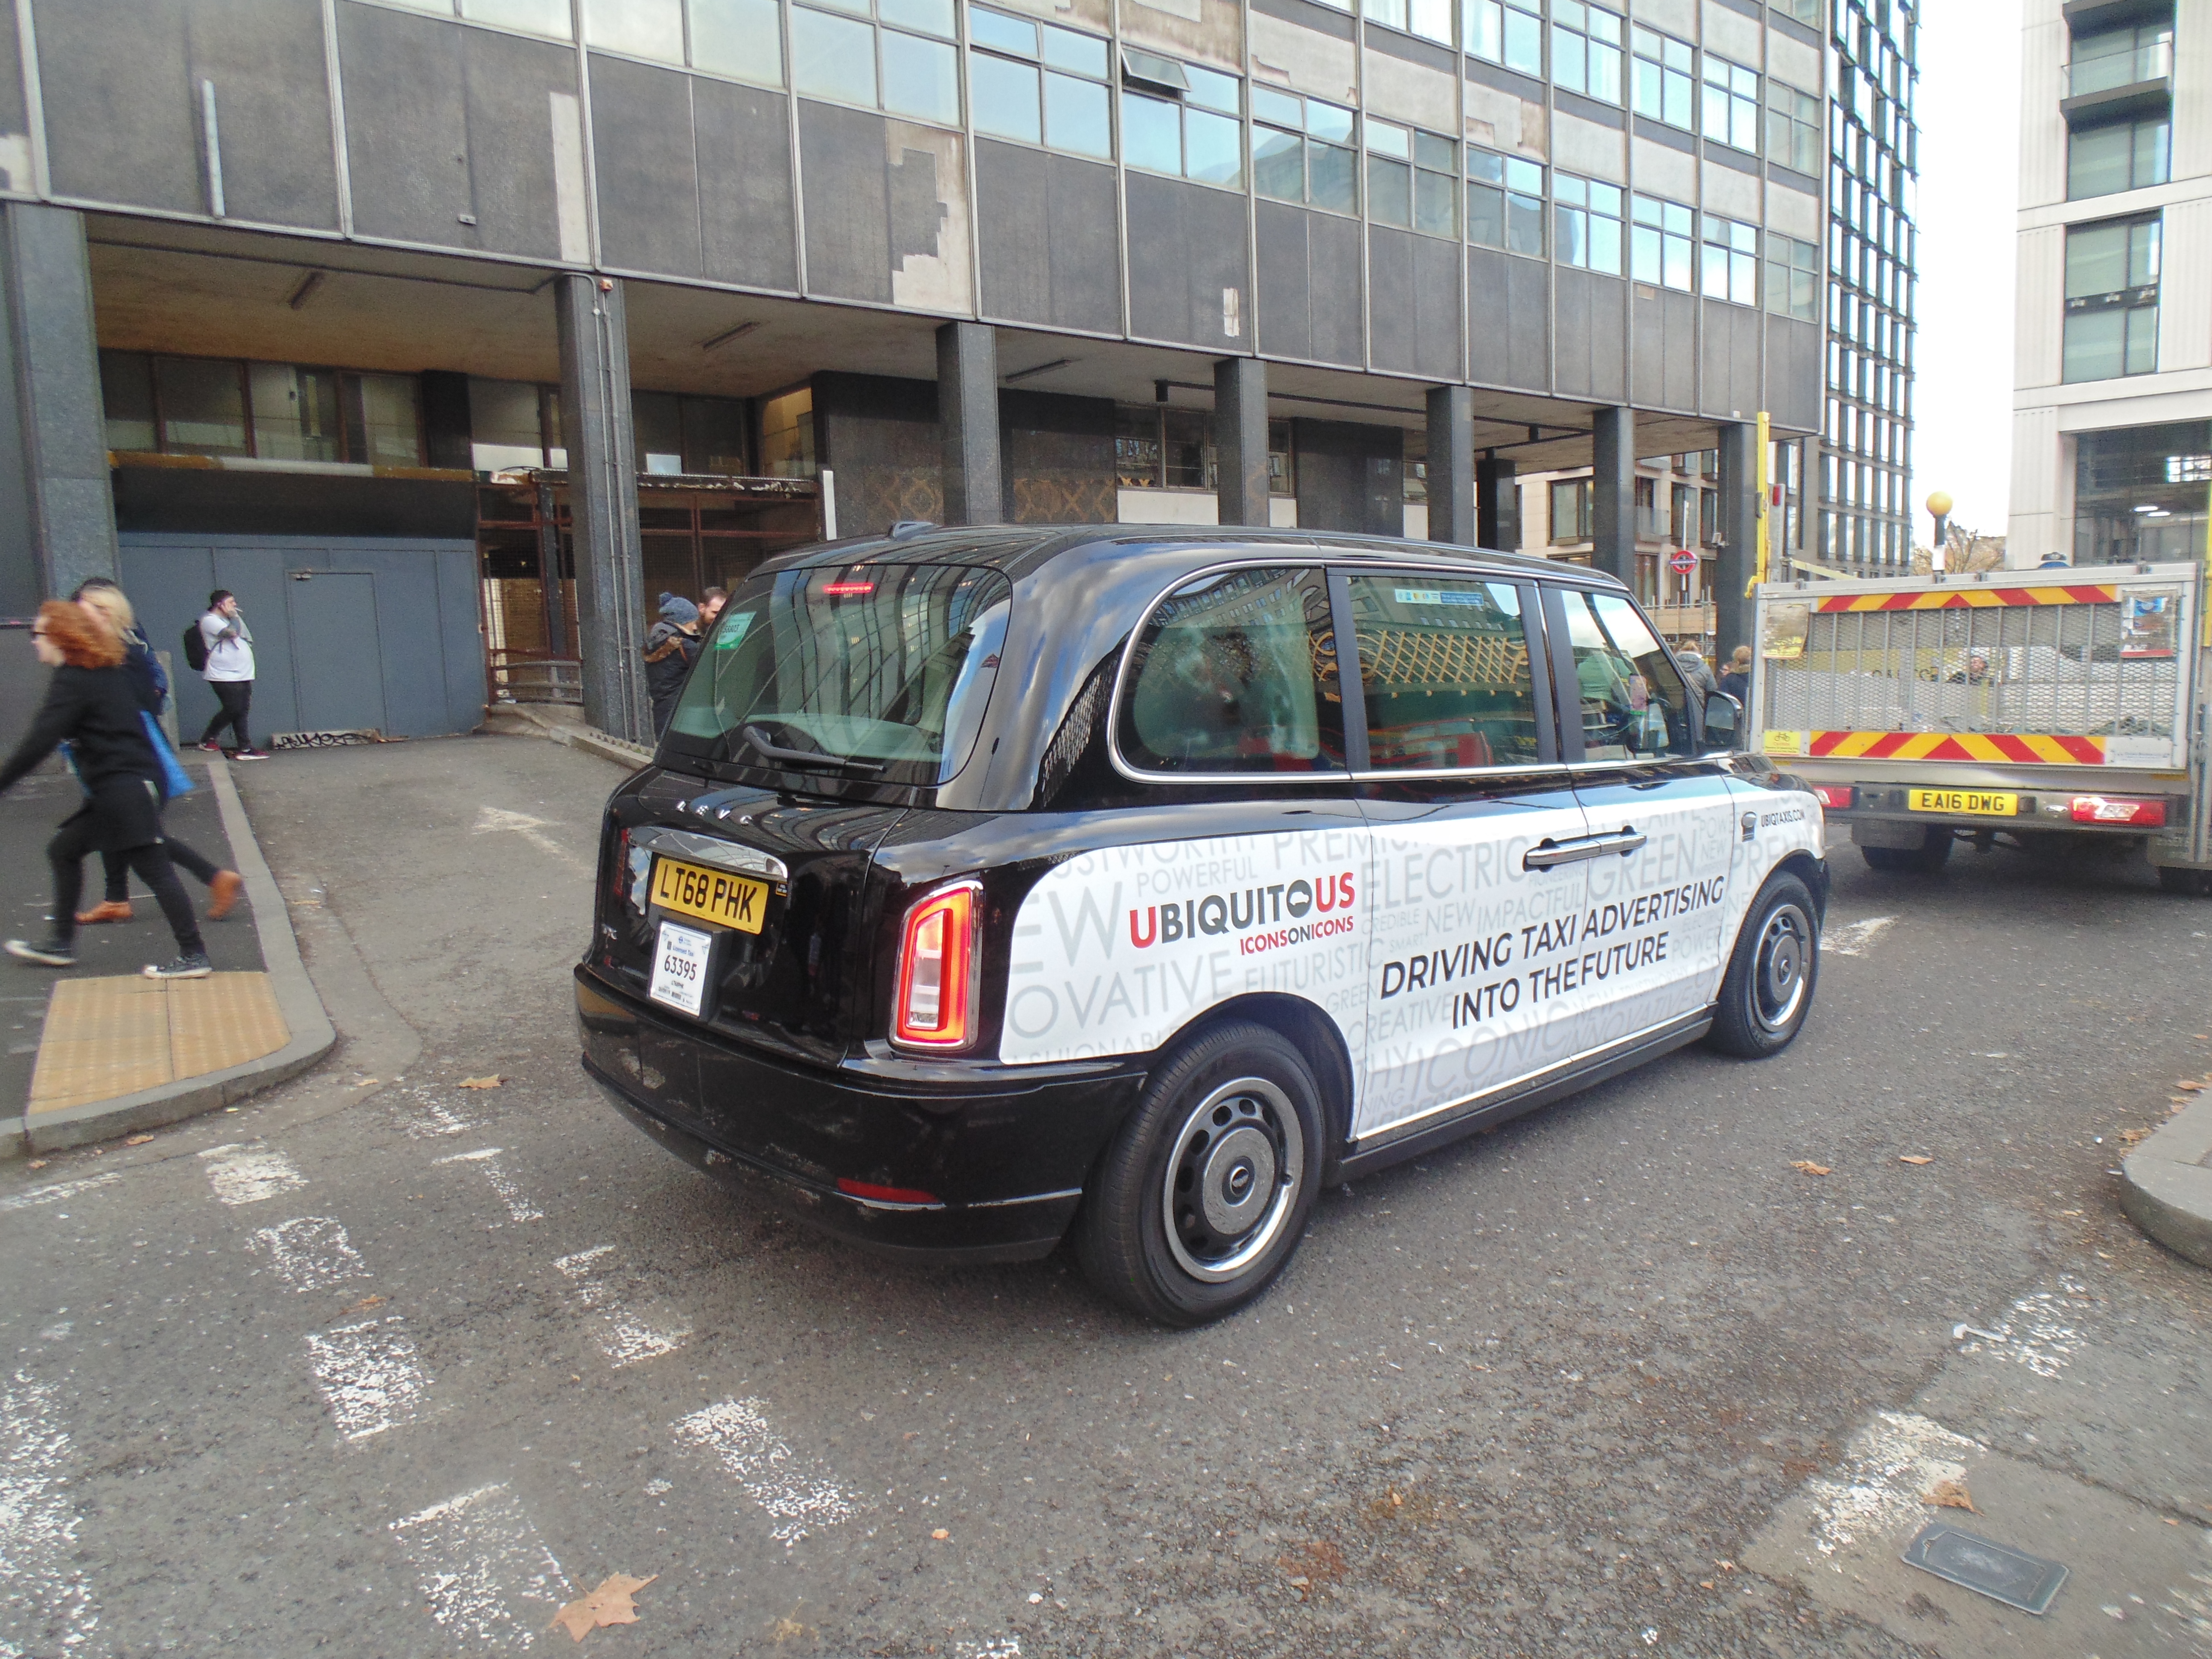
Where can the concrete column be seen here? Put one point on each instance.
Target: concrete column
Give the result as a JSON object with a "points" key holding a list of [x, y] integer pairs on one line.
{"points": [[60, 527], [1240, 441], [1497, 505], [967, 418], [595, 428], [1612, 492], [1739, 553], [1451, 465]]}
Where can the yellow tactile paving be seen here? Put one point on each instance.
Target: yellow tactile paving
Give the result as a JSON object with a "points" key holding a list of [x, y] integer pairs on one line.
{"points": [[105, 1038]]}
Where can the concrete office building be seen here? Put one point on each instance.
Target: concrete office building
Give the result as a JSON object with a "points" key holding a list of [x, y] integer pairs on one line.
{"points": [[440, 326], [2112, 392]]}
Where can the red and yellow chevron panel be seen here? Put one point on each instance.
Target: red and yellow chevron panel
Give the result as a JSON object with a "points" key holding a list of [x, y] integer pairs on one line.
{"points": [[2037, 749], [1969, 598]]}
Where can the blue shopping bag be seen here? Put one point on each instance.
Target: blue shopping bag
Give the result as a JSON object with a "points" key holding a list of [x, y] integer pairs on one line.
{"points": [[175, 780]]}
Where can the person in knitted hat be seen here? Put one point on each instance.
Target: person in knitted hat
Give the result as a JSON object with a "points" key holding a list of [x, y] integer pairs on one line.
{"points": [[669, 651]]}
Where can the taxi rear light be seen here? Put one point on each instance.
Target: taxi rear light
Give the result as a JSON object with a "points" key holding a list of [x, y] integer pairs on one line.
{"points": [[937, 979], [1836, 796], [2119, 809], [876, 1194]]}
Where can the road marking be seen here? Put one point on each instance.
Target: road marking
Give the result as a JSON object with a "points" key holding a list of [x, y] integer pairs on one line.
{"points": [[627, 1335], [38, 1523], [2036, 1334], [476, 1557], [1850, 939], [493, 820], [369, 1376], [58, 1191], [311, 1252], [801, 1496], [248, 1175], [435, 1118], [990, 1647], [519, 1208], [1875, 1491]]}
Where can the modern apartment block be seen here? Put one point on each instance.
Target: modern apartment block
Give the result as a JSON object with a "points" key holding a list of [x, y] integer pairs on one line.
{"points": [[449, 333], [2112, 398]]}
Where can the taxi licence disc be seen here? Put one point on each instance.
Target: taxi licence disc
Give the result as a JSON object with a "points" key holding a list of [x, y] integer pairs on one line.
{"points": [[1966, 803], [714, 896]]}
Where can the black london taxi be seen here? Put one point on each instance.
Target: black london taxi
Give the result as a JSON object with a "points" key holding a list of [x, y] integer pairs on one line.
{"points": [[994, 884]]}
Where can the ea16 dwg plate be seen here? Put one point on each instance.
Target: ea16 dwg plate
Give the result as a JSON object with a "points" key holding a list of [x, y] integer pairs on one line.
{"points": [[1996, 1570]]}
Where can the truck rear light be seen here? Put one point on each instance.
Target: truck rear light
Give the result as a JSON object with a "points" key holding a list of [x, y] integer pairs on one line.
{"points": [[1836, 796], [2119, 809], [876, 1194], [936, 978]]}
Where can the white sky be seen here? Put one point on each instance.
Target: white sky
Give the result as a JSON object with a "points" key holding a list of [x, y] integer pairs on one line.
{"points": [[1969, 112]]}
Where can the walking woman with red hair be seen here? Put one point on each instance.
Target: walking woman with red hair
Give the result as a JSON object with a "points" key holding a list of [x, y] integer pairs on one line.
{"points": [[93, 707]]}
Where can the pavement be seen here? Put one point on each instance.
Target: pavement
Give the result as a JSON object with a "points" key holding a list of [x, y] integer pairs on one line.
{"points": [[383, 1364]]}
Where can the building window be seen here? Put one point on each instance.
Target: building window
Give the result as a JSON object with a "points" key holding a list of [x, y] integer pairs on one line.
{"points": [[548, 17], [1039, 83], [1410, 178], [787, 436], [1682, 526], [2111, 300], [1586, 50], [848, 60], [1302, 150], [1793, 128], [1650, 526], [1511, 34], [1572, 512], [1730, 270], [269, 411], [740, 38], [1807, 12], [1180, 119], [1793, 278], [1731, 105], [2120, 58], [1662, 72], [2142, 493], [1430, 19], [1504, 202], [1156, 448], [2132, 155], [1662, 243], [1586, 219]]}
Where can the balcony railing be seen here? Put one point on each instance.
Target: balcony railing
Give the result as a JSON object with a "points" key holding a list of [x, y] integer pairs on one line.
{"points": [[2110, 70]]}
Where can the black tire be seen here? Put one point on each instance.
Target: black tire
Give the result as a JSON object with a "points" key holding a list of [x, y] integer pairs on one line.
{"points": [[1925, 859], [2186, 884], [1769, 987], [1236, 1105]]}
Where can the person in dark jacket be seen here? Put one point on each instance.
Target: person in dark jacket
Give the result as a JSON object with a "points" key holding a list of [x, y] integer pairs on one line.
{"points": [[1735, 679], [90, 705], [669, 649], [152, 687]]}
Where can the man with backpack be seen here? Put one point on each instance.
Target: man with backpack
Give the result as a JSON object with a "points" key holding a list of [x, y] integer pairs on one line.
{"points": [[220, 646]]}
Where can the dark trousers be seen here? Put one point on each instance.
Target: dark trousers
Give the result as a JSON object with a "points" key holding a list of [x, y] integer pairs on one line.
{"points": [[66, 851], [236, 697], [117, 867]]}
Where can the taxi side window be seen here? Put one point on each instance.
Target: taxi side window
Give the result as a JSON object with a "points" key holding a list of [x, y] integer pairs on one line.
{"points": [[1236, 672], [1444, 665], [1635, 706]]}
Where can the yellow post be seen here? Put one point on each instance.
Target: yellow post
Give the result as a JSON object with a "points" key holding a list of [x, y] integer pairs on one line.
{"points": [[1758, 472]]}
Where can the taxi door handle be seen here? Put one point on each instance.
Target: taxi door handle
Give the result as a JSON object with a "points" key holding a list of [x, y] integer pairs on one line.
{"points": [[1548, 853]]}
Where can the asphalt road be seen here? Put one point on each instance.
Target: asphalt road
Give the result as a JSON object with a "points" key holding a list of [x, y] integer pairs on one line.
{"points": [[410, 1364]]}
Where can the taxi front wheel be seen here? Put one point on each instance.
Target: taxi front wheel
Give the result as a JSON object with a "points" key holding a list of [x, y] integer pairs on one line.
{"points": [[1770, 980], [1205, 1193]]}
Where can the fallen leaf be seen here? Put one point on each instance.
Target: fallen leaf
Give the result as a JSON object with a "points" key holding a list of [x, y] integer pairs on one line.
{"points": [[1725, 1566], [136, 1141], [940, 1535], [364, 1082], [491, 1082], [1913, 1157], [610, 1604], [1704, 1583], [1806, 1166], [2130, 1137], [365, 1302], [1950, 1495], [2178, 1100], [36, 1164]]}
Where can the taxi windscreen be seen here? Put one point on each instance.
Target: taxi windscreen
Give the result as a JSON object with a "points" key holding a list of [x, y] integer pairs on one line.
{"points": [[876, 672]]}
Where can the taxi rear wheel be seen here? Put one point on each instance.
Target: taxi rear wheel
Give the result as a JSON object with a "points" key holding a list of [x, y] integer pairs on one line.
{"points": [[1769, 987], [1205, 1193]]}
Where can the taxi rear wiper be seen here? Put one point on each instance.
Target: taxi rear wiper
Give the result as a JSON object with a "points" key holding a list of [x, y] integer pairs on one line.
{"points": [[775, 751]]}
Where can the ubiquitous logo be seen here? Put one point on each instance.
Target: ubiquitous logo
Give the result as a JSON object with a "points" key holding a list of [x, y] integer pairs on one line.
{"points": [[1245, 909]]}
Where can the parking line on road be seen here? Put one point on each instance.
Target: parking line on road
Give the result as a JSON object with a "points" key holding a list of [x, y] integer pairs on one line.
{"points": [[58, 1191], [38, 1523], [475, 1556], [311, 1252], [799, 1494], [2034, 1334], [518, 1207], [246, 1174], [627, 1336], [370, 1376], [1878, 1487], [1851, 939]]}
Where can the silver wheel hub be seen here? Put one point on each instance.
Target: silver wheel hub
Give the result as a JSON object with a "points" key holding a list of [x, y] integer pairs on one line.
{"points": [[1236, 1180], [1233, 1174], [1785, 949]]}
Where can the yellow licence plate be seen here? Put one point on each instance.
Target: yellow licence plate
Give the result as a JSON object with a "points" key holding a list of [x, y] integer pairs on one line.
{"points": [[714, 896], [1966, 803]]}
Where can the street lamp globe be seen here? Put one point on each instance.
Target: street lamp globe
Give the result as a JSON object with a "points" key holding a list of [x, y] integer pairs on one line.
{"points": [[1939, 504]]}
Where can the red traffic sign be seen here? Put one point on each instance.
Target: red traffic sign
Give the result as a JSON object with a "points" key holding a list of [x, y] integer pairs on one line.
{"points": [[1682, 562]]}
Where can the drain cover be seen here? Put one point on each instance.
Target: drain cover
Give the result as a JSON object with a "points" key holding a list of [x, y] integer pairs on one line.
{"points": [[1996, 1570]]}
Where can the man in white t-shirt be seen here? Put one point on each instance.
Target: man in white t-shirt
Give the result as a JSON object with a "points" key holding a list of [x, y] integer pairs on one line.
{"points": [[229, 672]]}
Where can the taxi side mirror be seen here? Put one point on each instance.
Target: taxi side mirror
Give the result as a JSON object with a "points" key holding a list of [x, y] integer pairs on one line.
{"points": [[1724, 721]]}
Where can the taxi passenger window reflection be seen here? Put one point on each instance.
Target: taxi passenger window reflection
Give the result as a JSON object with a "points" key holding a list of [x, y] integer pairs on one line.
{"points": [[1445, 664], [1236, 673], [1634, 704]]}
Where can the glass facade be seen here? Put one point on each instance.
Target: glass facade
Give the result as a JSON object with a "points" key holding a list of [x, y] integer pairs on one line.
{"points": [[1864, 518], [2142, 493]]}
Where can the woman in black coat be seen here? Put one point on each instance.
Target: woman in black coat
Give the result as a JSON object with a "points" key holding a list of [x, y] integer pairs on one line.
{"points": [[91, 706]]}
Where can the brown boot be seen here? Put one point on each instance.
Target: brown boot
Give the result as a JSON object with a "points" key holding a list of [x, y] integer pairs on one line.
{"points": [[106, 910], [223, 893]]}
